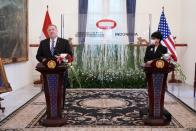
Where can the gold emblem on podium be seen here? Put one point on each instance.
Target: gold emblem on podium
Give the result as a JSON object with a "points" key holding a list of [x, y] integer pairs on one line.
{"points": [[51, 64], [160, 63]]}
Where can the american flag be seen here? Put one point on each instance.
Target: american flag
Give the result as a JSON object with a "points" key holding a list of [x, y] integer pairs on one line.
{"points": [[168, 40]]}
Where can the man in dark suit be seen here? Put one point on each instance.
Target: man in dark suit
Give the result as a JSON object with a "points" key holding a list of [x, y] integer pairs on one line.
{"points": [[52, 46], [156, 49]]}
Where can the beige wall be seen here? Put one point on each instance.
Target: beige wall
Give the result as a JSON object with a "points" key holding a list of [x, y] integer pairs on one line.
{"points": [[180, 15], [188, 28], [172, 12], [37, 10]]}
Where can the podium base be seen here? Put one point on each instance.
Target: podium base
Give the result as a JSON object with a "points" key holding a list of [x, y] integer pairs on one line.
{"points": [[156, 122], [165, 120], [53, 122], [174, 81]]}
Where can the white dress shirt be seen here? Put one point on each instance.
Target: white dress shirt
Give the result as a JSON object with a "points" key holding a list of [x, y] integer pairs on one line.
{"points": [[155, 48]]}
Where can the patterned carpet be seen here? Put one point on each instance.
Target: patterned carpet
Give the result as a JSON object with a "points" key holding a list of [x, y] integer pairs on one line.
{"points": [[103, 108], [92, 108]]}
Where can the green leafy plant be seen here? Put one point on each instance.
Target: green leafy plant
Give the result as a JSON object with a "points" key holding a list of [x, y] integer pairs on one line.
{"points": [[106, 66], [169, 58], [179, 71], [118, 79]]}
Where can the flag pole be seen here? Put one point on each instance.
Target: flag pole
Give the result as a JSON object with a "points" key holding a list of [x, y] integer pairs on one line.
{"points": [[61, 25], [173, 79], [40, 81], [150, 26], [163, 8]]}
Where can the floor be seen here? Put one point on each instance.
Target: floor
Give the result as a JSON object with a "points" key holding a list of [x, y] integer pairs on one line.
{"points": [[23, 95], [15, 99], [184, 93]]}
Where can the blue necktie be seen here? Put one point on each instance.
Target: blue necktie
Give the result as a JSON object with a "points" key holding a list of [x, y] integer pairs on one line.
{"points": [[52, 48]]}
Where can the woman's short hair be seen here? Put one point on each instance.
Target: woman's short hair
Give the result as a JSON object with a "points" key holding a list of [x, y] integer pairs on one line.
{"points": [[157, 35]]}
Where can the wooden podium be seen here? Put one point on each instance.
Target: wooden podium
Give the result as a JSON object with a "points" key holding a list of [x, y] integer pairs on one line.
{"points": [[53, 78], [156, 75]]}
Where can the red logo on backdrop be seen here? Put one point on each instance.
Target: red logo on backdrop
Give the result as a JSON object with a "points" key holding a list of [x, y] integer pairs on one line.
{"points": [[106, 24]]}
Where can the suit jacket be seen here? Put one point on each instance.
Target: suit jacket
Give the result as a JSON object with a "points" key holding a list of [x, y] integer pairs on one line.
{"points": [[151, 55], [62, 46]]}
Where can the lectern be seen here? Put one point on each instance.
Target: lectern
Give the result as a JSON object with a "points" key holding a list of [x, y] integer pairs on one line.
{"points": [[156, 75], [53, 78]]}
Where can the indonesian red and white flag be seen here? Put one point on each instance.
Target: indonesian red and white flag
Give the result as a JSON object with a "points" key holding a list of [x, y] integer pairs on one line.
{"points": [[168, 40], [47, 22]]}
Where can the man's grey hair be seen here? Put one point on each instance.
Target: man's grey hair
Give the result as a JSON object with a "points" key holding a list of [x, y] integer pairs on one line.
{"points": [[52, 25]]}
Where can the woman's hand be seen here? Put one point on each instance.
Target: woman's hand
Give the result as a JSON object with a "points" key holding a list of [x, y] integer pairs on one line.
{"points": [[149, 62]]}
